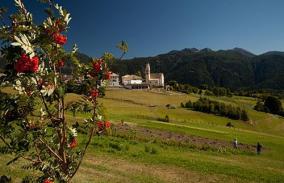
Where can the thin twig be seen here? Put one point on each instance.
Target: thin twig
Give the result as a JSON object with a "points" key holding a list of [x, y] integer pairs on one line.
{"points": [[92, 131], [84, 152], [43, 101], [50, 149], [3, 139], [122, 55]]}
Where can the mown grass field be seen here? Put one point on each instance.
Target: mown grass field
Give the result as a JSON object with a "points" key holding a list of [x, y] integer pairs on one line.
{"points": [[129, 157]]}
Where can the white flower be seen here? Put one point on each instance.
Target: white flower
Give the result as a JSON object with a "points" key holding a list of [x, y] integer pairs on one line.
{"points": [[42, 112], [73, 132], [33, 81], [47, 90], [75, 48], [99, 117], [19, 88]]}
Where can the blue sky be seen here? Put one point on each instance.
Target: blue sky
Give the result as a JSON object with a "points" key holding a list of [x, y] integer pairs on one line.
{"points": [[152, 27]]}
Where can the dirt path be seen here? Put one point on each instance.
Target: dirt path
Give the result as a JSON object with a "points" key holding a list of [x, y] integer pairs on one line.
{"points": [[173, 138]]}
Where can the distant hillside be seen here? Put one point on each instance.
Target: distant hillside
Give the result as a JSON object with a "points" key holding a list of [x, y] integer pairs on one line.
{"points": [[233, 68]]}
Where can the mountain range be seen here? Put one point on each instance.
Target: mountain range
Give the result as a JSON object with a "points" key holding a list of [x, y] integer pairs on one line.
{"points": [[233, 68]]}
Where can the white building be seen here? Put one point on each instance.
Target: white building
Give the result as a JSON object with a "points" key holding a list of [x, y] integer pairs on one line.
{"points": [[114, 80], [154, 79], [131, 80]]}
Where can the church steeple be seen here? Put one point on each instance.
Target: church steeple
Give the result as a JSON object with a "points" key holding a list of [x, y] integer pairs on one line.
{"points": [[147, 73]]}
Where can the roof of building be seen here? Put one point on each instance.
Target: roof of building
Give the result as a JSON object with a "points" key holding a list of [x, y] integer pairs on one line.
{"points": [[156, 75], [131, 77], [114, 74]]}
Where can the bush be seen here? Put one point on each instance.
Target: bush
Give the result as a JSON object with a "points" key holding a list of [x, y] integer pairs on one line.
{"points": [[188, 104], [244, 115], [154, 150], [273, 104], [147, 148], [229, 124], [169, 106], [270, 104]]}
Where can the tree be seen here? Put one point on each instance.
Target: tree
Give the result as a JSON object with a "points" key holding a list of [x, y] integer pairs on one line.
{"points": [[259, 106], [273, 105], [244, 115], [33, 123]]}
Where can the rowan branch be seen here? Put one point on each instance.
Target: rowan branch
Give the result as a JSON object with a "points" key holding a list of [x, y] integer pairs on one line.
{"points": [[3, 139], [92, 131], [51, 150]]}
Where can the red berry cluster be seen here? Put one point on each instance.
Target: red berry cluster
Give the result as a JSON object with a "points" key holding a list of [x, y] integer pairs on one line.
{"points": [[97, 66], [55, 32], [100, 68], [73, 143], [94, 93], [25, 64], [60, 64], [59, 38], [47, 181], [103, 125]]}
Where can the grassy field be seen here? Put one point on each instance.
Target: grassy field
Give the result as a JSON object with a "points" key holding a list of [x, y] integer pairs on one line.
{"points": [[192, 147]]}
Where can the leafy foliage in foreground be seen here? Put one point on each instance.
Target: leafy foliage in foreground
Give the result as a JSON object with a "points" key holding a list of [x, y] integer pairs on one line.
{"points": [[33, 123]]}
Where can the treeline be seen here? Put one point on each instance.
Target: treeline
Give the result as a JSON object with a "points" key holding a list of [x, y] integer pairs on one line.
{"points": [[203, 89], [184, 88], [216, 91], [259, 93], [270, 104], [218, 108]]}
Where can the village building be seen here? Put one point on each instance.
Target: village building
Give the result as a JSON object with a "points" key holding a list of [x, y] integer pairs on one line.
{"points": [[154, 79], [131, 80], [114, 80], [134, 82]]}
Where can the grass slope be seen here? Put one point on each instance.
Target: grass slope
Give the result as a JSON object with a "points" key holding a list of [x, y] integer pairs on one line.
{"points": [[124, 158]]}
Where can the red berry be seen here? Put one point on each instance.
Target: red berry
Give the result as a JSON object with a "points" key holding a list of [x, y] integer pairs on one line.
{"points": [[59, 38]]}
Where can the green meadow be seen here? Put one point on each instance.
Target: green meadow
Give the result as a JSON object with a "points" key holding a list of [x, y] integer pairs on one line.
{"points": [[191, 147]]}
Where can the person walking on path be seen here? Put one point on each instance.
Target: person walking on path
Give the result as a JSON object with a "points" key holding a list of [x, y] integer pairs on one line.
{"points": [[258, 148], [235, 143]]}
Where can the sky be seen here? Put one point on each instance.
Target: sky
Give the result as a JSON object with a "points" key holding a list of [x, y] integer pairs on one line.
{"points": [[151, 27]]}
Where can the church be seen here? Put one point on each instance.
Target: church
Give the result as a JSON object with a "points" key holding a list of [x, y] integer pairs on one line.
{"points": [[153, 79]]}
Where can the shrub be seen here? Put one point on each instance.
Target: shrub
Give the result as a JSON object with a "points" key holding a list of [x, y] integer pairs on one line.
{"points": [[147, 148], [35, 55], [244, 115], [229, 124], [273, 104]]}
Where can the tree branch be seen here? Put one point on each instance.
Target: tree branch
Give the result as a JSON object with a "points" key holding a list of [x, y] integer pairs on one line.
{"points": [[92, 131], [3, 139], [51, 150]]}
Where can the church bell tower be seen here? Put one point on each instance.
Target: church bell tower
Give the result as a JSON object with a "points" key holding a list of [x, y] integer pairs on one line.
{"points": [[147, 73]]}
